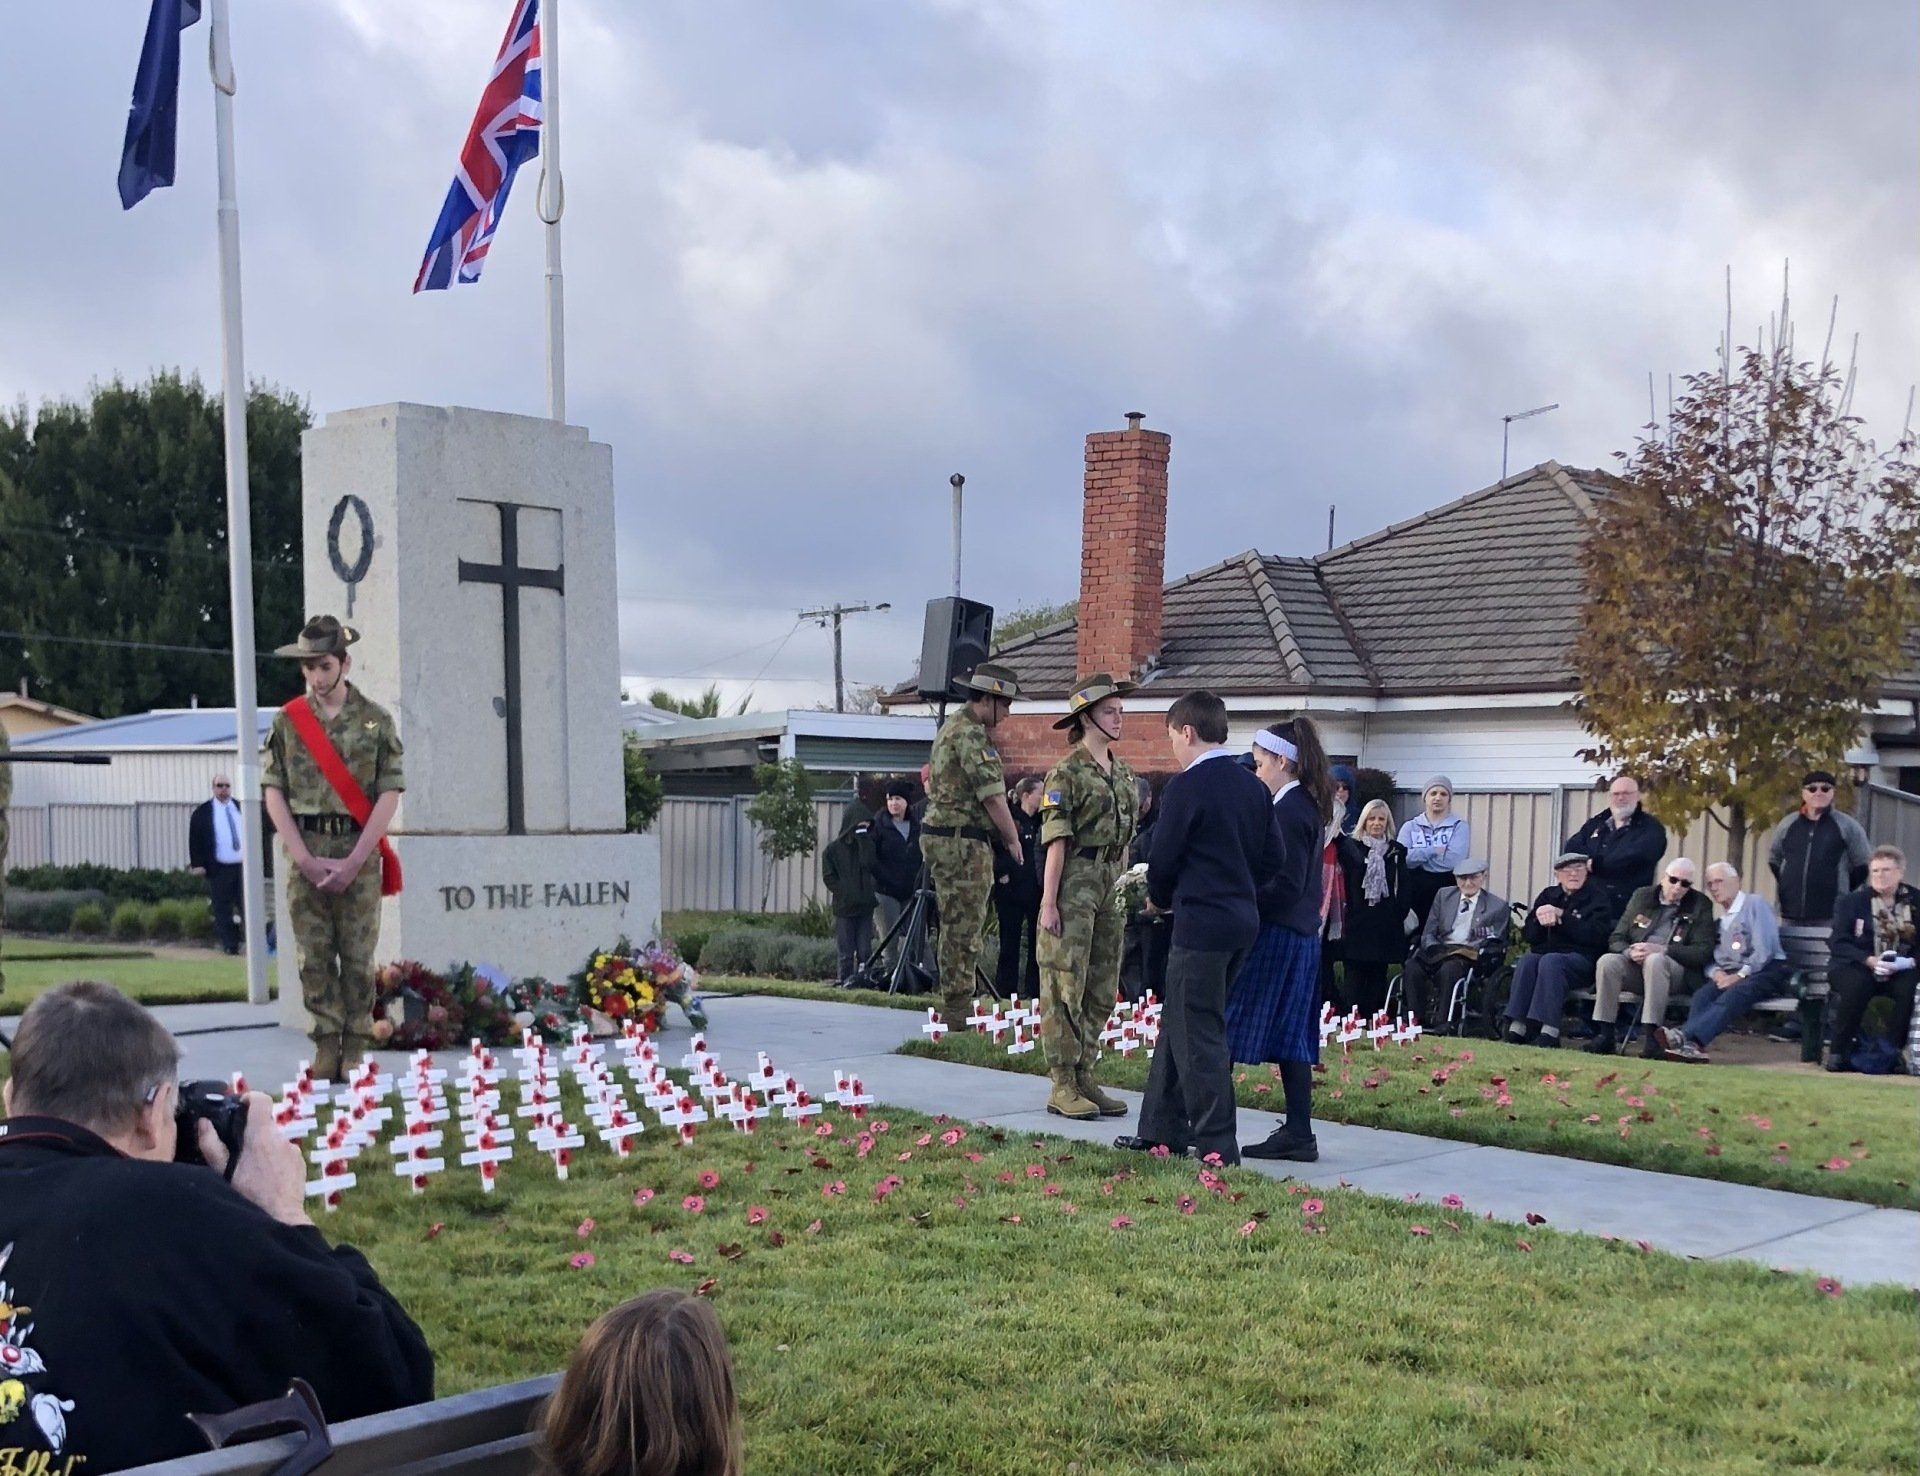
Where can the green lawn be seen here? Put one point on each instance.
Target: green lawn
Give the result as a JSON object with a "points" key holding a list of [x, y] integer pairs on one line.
{"points": [[31, 965], [1847, 1137], [999, 1317]]}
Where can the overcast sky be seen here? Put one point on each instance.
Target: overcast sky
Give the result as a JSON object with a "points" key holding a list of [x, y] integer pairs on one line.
{"points": [[820, 254]]}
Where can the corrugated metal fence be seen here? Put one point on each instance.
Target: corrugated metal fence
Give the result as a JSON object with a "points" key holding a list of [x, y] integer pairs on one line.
{"points": [[711, 861], [1893, 819], [150, 834]]}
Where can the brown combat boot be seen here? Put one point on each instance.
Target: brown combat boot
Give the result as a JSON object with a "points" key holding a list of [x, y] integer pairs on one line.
{"points": [[1065, 1099], [1109, 1105]]}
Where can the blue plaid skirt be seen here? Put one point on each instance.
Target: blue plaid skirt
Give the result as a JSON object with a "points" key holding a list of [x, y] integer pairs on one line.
{"points": [[1273, 1013]]}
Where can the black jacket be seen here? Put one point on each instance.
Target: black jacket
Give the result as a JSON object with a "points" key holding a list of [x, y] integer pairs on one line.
{"points": [[896, 858], [847, 868], [156, 1291], [1809, 858], [1216, 842], [1376, 932], [1584, 928], [1625, 857], [1853, 937], [200, 847], [1019, 885], [1291, 899]]}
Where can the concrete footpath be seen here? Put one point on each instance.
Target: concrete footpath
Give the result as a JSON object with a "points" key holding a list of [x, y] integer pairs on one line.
{"points": [[1702, 1218]]}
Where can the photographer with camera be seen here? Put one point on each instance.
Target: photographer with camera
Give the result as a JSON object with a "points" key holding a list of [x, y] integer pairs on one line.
{"points": [[157, 1262]]}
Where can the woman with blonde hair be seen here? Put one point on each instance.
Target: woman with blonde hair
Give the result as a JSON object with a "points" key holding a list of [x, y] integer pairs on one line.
{"points": [[649, 1392], [1374, 931]]}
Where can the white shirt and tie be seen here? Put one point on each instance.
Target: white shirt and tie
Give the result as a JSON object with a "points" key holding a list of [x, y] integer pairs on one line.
{"points": [[226, 832], [1462, 929]]}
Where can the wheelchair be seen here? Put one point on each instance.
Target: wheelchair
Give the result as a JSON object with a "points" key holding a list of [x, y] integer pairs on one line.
{"points": [[1479, 996]]}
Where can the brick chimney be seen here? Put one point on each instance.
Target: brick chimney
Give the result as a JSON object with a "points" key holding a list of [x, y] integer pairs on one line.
{"points": [[1123, 548]]}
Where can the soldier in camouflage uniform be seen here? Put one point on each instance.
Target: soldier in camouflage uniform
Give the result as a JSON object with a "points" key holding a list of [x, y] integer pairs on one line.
{"points": [[1088, 813], [333, 894], [966, 809]]}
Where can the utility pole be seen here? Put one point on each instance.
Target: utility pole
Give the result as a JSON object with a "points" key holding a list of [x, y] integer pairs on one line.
{"points": [[835, 614], [956, 481]]}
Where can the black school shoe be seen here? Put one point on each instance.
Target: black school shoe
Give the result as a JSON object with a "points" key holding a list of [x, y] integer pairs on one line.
{"points": [[1280, 1144]]}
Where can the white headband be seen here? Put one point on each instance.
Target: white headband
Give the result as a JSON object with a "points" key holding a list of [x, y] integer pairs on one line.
{"points": [[1274, 743]]}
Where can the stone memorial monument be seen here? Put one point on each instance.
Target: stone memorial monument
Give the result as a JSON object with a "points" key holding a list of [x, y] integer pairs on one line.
{"points": [[474, 551]]}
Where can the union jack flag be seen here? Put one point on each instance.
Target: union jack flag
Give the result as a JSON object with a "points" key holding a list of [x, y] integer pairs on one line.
{"points": [[505, 134]]}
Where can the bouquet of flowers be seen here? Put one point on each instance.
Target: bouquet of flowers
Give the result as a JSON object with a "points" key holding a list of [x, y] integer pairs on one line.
{"points": [[1131, 889], [542, 1006], [482, 991], [415, 1007], [625, 982]]}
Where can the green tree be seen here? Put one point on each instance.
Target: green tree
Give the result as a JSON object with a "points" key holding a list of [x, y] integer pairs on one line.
{"points": [[645, 792], [113, 527], [706, 705], [1747, 589], [1026, 619], [782, 812]]}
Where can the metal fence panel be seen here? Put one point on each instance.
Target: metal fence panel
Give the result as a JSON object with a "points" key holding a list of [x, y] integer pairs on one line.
{"points": [[107, 835], [29, 839], [1515, 830], [162, 829], [1892, 818], [796, 880], [697, 855]]}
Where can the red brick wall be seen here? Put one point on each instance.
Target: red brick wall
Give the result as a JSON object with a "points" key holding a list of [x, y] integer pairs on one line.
{"points": [[1028, 744], [1123, 549]]}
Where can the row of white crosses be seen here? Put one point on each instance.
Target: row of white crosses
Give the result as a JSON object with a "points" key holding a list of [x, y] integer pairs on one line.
{"points": [[1132, 1026], [996, 1022], [1379, 1029], [479, 1121]]}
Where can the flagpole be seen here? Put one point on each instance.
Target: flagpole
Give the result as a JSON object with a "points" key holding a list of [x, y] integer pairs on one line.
{"points": [[552, 201], [233, 376]]}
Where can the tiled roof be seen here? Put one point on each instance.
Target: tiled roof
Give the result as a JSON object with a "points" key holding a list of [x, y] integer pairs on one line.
{"points": [[1480, 595], [1495, 574]]}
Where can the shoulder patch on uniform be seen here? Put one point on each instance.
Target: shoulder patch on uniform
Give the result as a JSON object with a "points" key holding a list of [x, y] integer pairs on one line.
{"points": [[1054, 800]]}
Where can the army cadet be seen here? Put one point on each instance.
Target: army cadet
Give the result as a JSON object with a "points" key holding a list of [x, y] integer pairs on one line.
{"points": [[333, 895], [1088, 812], [6, 798], [966, 809]]}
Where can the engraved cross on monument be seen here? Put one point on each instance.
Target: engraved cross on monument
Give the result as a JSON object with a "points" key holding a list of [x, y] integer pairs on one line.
{"points": [[512, 578]]}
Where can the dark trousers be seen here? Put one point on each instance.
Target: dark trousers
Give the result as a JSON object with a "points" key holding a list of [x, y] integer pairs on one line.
{"points": [[1364, 985], [1189, 1096], [223, 883], [1019, 921], [1712, 1009], [1143, 958], [1542, 982], [1853, 985], [853, 936], [1429, 986]]}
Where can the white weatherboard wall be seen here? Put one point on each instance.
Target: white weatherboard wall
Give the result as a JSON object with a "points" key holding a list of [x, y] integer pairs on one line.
{"points": [[1495, 749], [432, 650]]}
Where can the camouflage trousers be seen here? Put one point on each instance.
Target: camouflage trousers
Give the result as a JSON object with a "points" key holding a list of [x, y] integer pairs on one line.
{"points": [[334, 935], [1080, 968], [3, 894], [962, 874]]}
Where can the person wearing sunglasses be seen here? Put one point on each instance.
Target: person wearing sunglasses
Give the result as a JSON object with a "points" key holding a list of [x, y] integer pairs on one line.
{"points": [[1817, 854], [214, 837], [1662, 943]]}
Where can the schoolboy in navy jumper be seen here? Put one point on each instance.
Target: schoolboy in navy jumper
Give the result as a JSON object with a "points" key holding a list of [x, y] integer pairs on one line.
{"points": [[1215, 844]]}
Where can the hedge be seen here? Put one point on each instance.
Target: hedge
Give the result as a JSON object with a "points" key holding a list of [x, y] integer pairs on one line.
{"points": [[116, 884], [753, 950]]}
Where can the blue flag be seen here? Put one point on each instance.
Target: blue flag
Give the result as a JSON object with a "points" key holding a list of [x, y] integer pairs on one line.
{"points": [[146, 159]]}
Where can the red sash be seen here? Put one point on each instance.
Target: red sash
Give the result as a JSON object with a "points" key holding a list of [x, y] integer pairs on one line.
{"points": [[334, 770]]}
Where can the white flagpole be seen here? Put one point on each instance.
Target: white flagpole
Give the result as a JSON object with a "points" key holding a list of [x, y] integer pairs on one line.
{"points": [[551, 202], [233, 376]]}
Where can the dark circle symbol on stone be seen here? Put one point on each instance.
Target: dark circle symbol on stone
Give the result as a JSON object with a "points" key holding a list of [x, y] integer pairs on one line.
{"points": [[356, 571]]}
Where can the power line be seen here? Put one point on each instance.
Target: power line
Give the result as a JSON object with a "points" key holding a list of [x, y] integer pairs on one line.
{"points": [[24, 636]]}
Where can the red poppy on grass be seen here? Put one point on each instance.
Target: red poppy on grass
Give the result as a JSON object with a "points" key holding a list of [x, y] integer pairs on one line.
{"points": [[584, 1229], [756, 1214], [693, 1204], [1120, 1222], [685, 1258], [582, 1261], [1418, 1230]]}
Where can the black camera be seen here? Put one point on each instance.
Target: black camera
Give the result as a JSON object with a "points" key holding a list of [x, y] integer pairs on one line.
{"points": [[214, 1102]]}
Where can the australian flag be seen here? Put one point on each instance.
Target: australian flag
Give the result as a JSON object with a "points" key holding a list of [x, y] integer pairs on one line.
{"points": [[505, 134], [146, 158]]}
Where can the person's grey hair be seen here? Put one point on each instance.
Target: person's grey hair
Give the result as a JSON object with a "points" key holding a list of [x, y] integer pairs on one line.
{"points": [[87, 1054], [1685, 867], [1723, 868], [1889, 853]]}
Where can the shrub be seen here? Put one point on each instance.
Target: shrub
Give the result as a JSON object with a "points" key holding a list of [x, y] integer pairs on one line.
{"points": [[129, 921], [814, 958], [131, 884], [691, 943], [170, 917], [196, 922], [773, 953], [161, 919], [814, 920], [30, 911], [89, 920], [730, 950]]}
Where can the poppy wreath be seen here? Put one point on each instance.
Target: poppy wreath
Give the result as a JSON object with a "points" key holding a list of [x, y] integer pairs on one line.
{"points": [[414, 1008]]}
